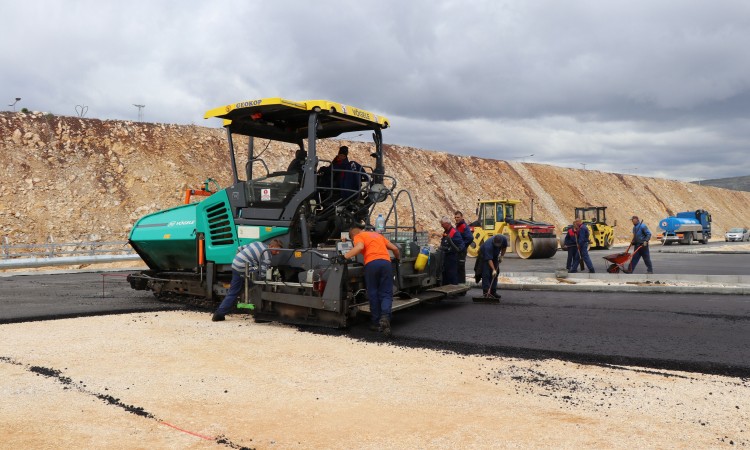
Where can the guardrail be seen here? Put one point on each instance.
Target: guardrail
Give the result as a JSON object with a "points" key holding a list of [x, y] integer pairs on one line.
{"points": [[19, 256]]}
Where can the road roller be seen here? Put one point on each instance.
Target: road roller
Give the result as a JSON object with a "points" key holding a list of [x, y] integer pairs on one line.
{"points": [[529, 239]]}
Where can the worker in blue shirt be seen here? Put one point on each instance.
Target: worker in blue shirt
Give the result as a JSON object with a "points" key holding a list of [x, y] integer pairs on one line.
{"points": [[451, 245], [347, 175], [492, 252], [582, 247], [641, 236]]}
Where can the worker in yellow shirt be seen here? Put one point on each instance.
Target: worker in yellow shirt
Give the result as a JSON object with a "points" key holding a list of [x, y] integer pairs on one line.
{"points": [[378, 273]]}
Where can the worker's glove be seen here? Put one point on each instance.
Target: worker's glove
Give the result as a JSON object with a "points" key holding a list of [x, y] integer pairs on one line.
{"points": [[494, 273], [645, 244], [396, 260], [340, 259]]}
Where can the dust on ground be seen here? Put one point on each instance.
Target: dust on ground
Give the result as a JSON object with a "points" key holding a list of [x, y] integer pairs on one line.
{"points": [[178, 380]]}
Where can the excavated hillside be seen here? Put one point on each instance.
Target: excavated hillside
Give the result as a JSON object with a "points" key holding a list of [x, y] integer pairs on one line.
{"points": [[78, 179]]}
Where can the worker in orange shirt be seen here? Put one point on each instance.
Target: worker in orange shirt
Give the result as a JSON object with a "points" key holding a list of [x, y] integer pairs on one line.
{"points": [[378, 273]]}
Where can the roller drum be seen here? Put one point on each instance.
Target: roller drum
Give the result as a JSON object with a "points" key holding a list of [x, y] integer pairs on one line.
{"points": [[536, 247]]}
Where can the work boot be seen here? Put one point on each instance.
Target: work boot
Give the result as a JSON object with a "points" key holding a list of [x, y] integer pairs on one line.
{"points": [[592, 271], [385, 326], [650, 271], [217, 317], [495, 295], [374, 327]]}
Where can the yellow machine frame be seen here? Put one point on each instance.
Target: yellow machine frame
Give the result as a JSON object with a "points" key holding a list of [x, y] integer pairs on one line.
{"points": [[527, 238], [601, 234]]}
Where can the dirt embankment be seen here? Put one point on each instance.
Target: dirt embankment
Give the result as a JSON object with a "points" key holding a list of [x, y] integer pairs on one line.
{"points": [[79, 179]]}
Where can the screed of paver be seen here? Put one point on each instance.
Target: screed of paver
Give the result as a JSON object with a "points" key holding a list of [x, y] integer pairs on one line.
{"points": [[176, 380]]}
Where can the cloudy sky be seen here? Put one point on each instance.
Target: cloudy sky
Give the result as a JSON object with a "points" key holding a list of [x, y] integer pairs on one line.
{"points": [[657, 88]]}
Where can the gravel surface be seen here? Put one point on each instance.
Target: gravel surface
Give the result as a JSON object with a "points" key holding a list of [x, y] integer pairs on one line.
{"points": [[176, 380]]}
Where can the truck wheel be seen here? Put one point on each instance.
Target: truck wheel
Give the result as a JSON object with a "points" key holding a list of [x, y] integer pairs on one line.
{"points": [[608, 242]]}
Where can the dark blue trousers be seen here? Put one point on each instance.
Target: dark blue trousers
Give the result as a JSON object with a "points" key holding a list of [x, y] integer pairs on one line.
{"points": [[572, 252], [487, 278], [584, 254], [450, 268], [235, 287], [646, 255], [379, 284]]}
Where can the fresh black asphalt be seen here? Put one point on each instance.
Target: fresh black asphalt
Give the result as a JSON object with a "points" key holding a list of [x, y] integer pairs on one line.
{"points": [[700, 333]]}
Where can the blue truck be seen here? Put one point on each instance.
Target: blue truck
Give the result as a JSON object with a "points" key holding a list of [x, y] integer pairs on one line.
{"points": [[686, 227]]}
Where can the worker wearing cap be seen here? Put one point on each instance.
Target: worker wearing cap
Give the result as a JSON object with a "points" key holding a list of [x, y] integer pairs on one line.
{"points": [[467, 236], [451, 245], [492, 252], [582, 247], [378, 273], [641, 236]]}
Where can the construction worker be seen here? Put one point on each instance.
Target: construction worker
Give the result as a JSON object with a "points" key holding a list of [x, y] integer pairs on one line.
{"points": [[299, 160], [378, 273], [463, 228], [451, 245], [641, 236], [569, 244], [582, 247], [347, 175], [492, 252], [256, 255], [296, 165]]}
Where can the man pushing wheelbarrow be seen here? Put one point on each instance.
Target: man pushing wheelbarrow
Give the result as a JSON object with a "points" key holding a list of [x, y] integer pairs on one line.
{"points": [[627, 261]]}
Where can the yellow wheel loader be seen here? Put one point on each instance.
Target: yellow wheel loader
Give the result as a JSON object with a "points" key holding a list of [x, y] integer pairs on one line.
{"points": [[601, 235], [529, 239]]}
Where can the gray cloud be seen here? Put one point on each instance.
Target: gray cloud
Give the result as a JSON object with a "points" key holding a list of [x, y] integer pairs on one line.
{"points": [[661, 86]]}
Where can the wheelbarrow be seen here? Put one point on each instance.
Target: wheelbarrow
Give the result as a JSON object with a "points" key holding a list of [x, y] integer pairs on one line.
{"points": [[620, 262]]}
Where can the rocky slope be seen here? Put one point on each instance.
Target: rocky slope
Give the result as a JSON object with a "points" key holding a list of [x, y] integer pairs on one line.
{"points": [[79, 179]]}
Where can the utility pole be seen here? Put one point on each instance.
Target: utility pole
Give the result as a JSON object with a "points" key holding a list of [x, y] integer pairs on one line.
{"points": [[584, 165], [18, 99], [140, 111]]}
